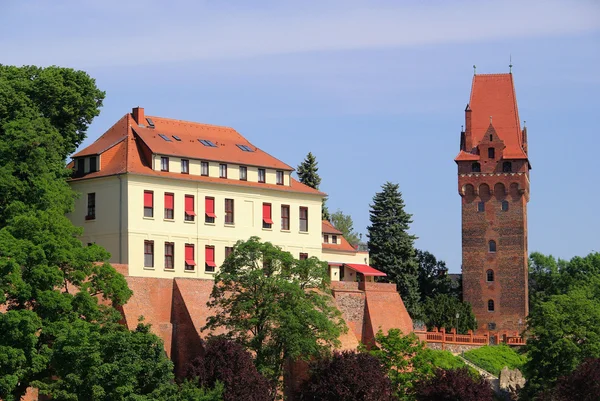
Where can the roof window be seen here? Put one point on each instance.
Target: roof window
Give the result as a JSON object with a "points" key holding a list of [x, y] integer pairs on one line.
{"points": [[245, 148], [178, 139], [166, 138], [150, 122], [208, 143]]}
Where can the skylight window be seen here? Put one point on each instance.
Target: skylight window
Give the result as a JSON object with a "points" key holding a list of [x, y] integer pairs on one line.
{"points": [[208, 143], [178, 139], [166, 138], [150, 122], [245, 148]]}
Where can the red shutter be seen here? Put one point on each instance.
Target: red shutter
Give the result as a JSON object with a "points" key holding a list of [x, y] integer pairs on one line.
{"points": [[169, 201], [210, 256], [189, 205], [210, 207], [148, 199], [267, 213], [189, 255]]}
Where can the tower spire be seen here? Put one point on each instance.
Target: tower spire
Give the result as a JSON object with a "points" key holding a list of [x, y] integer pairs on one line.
{"points": [[474, 69], [510, 65]]}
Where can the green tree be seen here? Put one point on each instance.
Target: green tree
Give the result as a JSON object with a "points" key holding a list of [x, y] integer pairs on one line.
{"points": [[308, 175], [391, 247], [344, 223], [277, 307], [446, 311], [433, 276], [50, 284]]}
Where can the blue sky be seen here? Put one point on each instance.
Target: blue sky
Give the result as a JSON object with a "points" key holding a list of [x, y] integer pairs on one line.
{"points": [[376, 90]]}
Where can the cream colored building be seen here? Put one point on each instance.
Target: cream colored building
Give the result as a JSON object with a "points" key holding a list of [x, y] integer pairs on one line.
{"points": [[170, 198]]}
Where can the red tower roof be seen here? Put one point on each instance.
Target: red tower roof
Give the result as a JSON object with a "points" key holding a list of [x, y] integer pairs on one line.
{"points": [[493, 95]]}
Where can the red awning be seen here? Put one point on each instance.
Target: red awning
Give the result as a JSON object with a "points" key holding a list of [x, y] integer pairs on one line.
{"points": [[211, 214], [365, 270], [190, 212], [267, 220], [190, 262], [211, 263]]}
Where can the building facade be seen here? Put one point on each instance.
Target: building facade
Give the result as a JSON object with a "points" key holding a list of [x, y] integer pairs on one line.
{"points": [[170, 198], [493, 182]]}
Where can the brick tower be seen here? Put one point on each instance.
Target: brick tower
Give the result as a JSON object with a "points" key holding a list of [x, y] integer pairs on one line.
{"points": [[493, 182]]}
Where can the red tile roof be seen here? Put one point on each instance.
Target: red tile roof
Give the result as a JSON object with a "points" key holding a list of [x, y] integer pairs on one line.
{"points": [[328, 228], [122, 152], [365, 269], [494, 95]]}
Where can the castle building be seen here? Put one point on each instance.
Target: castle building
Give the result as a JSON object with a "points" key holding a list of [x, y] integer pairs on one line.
{"points": [[493, 182], [170, 198]]}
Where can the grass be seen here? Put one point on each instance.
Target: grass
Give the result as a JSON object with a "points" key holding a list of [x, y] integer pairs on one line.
{"points": [[495, 357]]}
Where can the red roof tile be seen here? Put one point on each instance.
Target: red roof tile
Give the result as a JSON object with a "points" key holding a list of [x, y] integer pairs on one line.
{"points": [[494, 95], [328, 228], [365, 269], [126, 152]]}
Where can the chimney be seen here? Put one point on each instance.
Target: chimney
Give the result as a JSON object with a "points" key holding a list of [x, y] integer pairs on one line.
{"points": [[138, 115], [468, 137]]}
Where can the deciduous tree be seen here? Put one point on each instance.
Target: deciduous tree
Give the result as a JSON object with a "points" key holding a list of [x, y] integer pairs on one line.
{"points": [[433, 276], [277, 307], [454, 385], [391, 247], [446, 311], [344, 223]]}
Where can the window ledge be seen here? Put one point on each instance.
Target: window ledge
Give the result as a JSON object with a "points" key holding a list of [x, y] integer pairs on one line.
{"points": [[168, 270], [189, 222], [189, 271], [267, 229], [148, 218], [205, 272], [169, 220], [209, 224], [285, 231], [303, 232], [90, 220], [230, 225], [148, 268]]}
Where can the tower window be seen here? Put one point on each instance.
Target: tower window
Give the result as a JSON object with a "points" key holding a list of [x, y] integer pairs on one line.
{"points": [[507, 167], [492, 246], [481, 206], [476, 167], [491, 153], [490, 275], [504, 205], [490, 305], [491, 137]]}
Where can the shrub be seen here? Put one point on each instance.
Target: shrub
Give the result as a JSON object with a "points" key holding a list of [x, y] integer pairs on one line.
{"points": [[443, 359], [228, 362], [583, 384], [347, 376], [454, 385], [495, 357]]}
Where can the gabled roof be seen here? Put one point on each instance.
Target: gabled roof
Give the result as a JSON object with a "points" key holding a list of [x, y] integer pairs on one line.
{"points": [[328, 228], [122, 146], [493, 95]]}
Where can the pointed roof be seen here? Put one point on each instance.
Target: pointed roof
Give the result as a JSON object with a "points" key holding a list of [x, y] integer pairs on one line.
{"points": [[494, 95], [122, 150]]}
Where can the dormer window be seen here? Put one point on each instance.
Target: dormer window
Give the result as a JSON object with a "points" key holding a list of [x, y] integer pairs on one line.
{"points": [[476, 167], [326, 238], [164, 164], [491, 153], [507, 167], [261, 175], [93, 164], [279, 177], [334, 239], [80, 166]]}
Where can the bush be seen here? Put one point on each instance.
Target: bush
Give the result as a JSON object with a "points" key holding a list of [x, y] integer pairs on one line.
{"points": [[454, 385], [583, 384], [229, 363], [495, 357], [347, 376], [443, 359]]}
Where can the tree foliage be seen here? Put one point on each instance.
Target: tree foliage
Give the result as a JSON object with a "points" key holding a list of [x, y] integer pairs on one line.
{"points": [[347, 376], [391, 247], [564, 319], [454, 385], [344, 223], [227, 362], [276, 306], [583, 384], [308, 175], [433, 276], [442, 311]]}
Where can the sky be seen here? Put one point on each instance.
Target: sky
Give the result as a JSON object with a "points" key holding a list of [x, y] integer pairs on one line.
{"points": [[375, 89]]}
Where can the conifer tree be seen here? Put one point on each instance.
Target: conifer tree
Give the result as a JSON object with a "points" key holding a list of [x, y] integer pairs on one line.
{"points": [[391, 247], [307, 174]]}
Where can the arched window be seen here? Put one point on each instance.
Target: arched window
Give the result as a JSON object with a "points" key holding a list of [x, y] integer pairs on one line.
{"points": [[491, 153], [491, 305], [492, 246], [476, 167], [507, 167], [505, 206], [490, 275]]}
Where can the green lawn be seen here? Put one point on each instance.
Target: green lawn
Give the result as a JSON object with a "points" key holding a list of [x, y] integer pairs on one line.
{"points": [[495, 357]]}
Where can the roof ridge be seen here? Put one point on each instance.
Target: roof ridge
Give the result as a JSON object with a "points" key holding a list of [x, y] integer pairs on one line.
{"points": [[497, 74], [194, 123]]}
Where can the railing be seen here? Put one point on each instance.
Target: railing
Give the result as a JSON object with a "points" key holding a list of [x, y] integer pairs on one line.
{"points": [[442, 337]]}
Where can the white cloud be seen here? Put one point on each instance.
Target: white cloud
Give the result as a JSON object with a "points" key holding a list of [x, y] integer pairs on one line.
{"points": [[110, 34]]}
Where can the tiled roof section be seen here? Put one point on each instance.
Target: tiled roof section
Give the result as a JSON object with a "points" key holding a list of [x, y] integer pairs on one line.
{"points": [[225, 138], [127, 155], [494, 95], [328, 228], [464, 156]]}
